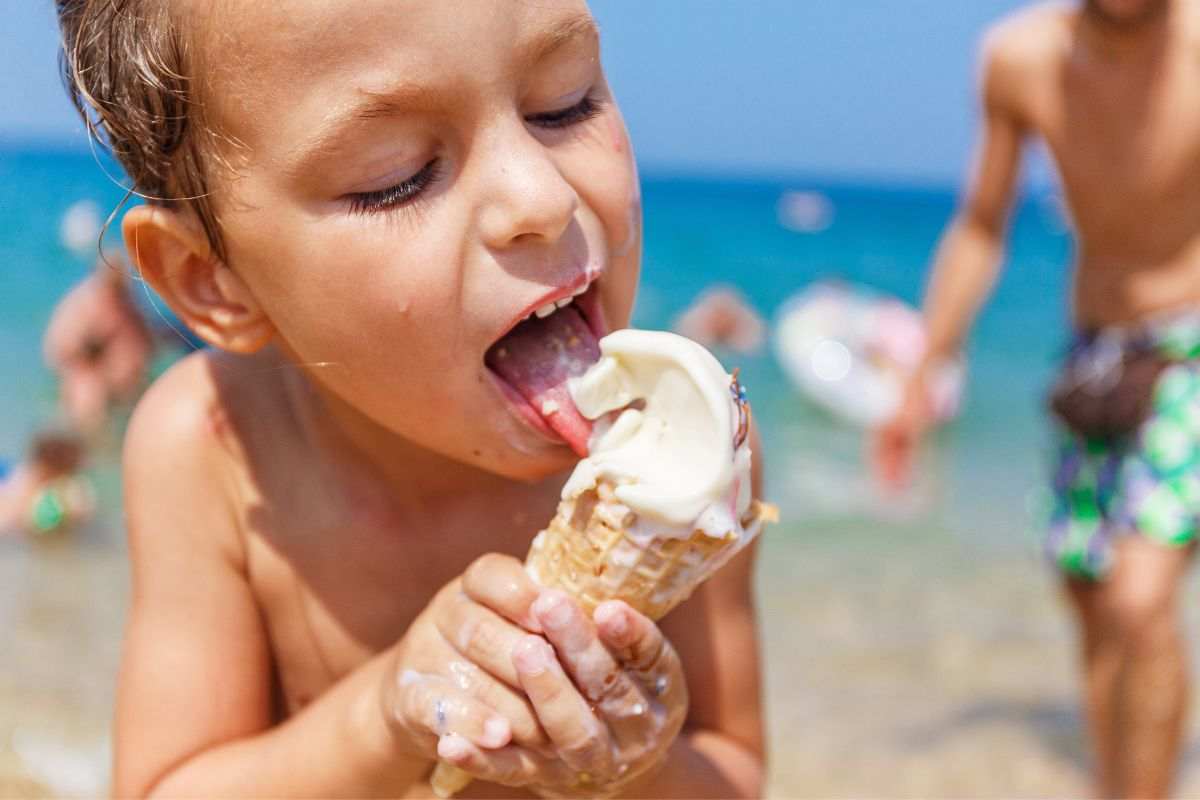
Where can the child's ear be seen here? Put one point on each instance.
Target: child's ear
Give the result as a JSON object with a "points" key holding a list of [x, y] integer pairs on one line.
{"points": [[173, 255]]}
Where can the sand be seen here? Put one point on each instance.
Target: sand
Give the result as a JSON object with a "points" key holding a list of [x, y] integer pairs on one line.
{"points": [[899, 664]]}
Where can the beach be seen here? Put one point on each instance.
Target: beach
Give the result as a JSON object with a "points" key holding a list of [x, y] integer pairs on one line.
{"points": [[915, 647]]}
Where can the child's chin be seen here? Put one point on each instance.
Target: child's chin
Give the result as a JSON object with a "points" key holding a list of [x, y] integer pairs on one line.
{"points": [[533, 467]]}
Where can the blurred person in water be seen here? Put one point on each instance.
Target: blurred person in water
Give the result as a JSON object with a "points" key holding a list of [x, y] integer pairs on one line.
{"points": [[721, 317], [98, 345], [45, 493], [1113, 89]]}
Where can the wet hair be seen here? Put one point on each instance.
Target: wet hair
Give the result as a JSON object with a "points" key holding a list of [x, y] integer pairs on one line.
{"points": [[128, 68], [58, 452]]}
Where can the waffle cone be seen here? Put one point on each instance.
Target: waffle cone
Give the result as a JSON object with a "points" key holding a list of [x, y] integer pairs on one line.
{"points": [[591, 551]]}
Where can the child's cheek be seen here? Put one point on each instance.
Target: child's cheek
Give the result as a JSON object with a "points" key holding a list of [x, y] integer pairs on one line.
{"points": [[624, 216]]}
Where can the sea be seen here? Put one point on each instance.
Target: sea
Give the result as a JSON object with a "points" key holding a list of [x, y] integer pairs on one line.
{"points": [[915, 645]]}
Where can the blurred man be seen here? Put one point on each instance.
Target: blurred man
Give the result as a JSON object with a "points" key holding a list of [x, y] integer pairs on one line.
{"points": [[1113, 89], [99, 346]]}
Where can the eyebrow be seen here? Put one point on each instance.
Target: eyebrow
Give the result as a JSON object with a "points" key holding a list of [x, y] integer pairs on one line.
{"points": [[379, 105]]}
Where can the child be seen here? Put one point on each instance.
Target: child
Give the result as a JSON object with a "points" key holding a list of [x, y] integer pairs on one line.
{"points": [[357, 202], [44, 493]]}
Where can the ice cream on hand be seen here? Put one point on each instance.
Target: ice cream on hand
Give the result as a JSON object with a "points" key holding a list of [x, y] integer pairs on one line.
{"points": [[663, 498]]}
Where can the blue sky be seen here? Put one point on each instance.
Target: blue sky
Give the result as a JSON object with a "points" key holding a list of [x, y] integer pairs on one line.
{"points": [[871, 90]]}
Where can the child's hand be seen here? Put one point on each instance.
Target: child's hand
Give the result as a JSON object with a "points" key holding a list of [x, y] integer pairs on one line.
{"points": [[453, 677], [611, 702]]}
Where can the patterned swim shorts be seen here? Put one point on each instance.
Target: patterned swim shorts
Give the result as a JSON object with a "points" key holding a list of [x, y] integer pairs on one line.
{"points": [[1145, 484]]}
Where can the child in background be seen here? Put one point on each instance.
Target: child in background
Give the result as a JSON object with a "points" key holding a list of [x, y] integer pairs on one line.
{"points": [[44, 493], [360, 204]]}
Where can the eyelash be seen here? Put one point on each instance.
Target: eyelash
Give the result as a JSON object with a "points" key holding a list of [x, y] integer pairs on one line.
{"points": [[409, 190], [582, 111], [403, 193]]}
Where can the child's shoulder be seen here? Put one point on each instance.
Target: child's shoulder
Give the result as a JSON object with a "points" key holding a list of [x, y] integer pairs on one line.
{"points": [[180, 454], [176, 415]]}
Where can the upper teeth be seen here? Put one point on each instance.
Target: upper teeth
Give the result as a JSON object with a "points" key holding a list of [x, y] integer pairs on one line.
{"points": [[544, 311]]}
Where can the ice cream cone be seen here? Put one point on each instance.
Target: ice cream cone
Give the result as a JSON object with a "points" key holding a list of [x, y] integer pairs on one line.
{"points": [[662, 500], [594, 551]]}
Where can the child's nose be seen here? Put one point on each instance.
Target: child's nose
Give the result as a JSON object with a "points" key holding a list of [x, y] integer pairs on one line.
{"points": [[525, 195]]}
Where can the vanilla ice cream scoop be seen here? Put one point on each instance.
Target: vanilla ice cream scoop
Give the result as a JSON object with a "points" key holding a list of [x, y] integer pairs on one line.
{"points": [[670, 434]]}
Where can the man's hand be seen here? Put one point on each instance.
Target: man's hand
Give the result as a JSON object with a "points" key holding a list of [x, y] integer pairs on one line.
{"points": [[894, 444]]}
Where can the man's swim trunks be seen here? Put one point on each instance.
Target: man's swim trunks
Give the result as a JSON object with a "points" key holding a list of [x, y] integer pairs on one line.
{"points": [[1146, 482]]}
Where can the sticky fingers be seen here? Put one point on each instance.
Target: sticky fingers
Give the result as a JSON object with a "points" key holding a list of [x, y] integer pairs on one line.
{"points": [[586, 659], [501, 583], [508, 766], [639, 646], [482, 636], [581, 739], [429, 708]]}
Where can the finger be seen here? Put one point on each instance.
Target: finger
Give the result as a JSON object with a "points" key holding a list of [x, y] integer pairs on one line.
{"points": [[586, 659], [430, 707], [639, 646], [578, 735], [501, 698], [481, 635], [501, 583], [508, 766]]}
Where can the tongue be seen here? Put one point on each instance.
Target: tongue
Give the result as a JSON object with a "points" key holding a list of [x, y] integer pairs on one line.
{"points": [[536, 359]]}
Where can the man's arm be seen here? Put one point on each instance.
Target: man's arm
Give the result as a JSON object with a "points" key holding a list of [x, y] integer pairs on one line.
{"points": [[195, 713], [969, 255]]}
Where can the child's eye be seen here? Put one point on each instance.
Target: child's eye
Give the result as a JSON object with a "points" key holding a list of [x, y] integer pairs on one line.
{"points": [[584, 110], [402, 193]]}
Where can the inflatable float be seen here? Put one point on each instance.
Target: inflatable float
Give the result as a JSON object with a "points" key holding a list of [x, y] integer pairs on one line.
{"points": [[849, 349]]}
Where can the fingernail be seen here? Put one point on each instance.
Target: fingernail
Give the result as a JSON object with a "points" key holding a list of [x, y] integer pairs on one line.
{"points": [[452, 747], [553, 609], [610, 617], [531, 656], [496, 732]]}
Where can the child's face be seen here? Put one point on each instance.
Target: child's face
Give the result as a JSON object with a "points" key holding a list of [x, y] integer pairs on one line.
{"points": [[416, 178]]}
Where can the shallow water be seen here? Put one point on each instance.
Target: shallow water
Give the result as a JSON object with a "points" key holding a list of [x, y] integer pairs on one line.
{"points": [[914, 648]]}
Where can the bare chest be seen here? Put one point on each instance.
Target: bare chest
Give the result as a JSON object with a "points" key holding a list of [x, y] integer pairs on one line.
{"points": [[337, 586], [1125, 143]]}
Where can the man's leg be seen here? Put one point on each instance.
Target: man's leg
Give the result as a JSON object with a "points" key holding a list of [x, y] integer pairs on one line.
{"points": [[1100, 654], [1138, 606]]}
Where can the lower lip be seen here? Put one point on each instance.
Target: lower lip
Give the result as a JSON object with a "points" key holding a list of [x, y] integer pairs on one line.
{"points": [[521, 409]]}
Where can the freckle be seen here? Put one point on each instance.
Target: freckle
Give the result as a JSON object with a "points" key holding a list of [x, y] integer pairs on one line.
{"points": [[476, 453], [609, 678]]}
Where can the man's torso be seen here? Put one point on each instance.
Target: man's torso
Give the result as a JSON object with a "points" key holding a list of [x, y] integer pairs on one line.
{"points": [[1124, 132]]}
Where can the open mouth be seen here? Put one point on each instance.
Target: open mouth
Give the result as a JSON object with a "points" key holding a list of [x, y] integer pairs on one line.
{"points": [[533, 361]]}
